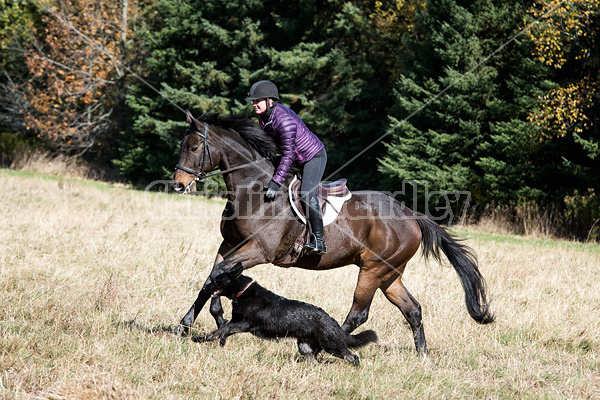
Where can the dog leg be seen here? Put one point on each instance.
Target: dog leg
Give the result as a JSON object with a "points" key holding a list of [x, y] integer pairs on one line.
{"points": [[222, 333], [308, 352], [336, 346], [353, 358]]}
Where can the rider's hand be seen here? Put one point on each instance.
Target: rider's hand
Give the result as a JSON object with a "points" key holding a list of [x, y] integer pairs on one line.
{"points": [[272, 188]]}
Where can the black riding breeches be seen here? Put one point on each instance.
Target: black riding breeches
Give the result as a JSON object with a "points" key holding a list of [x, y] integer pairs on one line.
{"points": [[312, 173]]}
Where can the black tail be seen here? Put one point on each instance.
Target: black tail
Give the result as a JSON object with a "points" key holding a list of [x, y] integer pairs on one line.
{"points": [[361, 339], [464, 261]]}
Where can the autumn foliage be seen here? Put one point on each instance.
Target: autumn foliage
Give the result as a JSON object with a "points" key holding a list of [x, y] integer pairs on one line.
{"points": [[566, 39], [74, 67]]}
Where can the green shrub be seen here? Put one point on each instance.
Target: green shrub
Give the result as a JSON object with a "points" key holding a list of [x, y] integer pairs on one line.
{"points": [[582, 214], [12, 143]]}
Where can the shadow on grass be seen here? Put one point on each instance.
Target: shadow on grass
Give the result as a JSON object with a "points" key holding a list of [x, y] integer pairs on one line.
{"points": [[285, 356], [323, 357], [160, 329], [134, 325], [266, 353]]}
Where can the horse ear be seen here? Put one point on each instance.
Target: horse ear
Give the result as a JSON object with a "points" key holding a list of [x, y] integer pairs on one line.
{"points": [[236, 270], [189, 117]]}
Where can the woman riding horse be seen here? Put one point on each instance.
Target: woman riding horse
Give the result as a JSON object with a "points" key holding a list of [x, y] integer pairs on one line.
{"points": [[298, 145], [373, 231]]}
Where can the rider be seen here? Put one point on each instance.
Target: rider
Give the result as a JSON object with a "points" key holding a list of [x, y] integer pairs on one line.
{"points": [[298, 144]]}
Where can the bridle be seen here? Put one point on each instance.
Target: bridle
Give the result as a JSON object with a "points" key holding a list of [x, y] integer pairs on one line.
{"points": [[199, 174]]}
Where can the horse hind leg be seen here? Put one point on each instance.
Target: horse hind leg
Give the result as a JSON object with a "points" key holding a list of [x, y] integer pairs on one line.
{"points": [[367, 285], [397, 294]]}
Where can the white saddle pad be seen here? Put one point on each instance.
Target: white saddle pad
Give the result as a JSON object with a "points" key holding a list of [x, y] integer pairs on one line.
{"points": [[332, 208]]}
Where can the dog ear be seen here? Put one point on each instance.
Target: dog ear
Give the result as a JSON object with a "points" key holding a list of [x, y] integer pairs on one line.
{"points": [[236, 271], [223, 280]]}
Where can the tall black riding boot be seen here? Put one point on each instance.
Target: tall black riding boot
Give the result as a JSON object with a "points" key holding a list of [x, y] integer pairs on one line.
{"points": [[317, 244]]}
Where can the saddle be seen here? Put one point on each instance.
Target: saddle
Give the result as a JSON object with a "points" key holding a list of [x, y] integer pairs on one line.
{"points": [[332, 197]]}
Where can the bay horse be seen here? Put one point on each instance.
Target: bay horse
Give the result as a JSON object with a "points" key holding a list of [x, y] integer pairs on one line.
{"points": [[373, 231]]}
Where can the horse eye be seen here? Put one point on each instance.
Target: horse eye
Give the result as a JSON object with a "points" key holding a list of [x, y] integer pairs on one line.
{"points": [[195, 148]]}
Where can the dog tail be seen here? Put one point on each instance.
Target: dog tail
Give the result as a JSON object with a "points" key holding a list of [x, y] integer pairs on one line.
{"points": [[361, 339]]}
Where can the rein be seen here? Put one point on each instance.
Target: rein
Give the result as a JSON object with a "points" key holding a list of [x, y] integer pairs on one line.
{"points": [[200, 174]]}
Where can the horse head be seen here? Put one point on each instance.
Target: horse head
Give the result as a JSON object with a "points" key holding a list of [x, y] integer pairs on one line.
{"points": [[195, 156]]}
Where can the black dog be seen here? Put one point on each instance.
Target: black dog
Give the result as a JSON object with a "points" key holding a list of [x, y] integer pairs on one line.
{"points": [[269, 316]]}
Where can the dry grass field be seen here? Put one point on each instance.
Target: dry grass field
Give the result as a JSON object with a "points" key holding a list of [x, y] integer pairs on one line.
{"points": [[93, 277]]}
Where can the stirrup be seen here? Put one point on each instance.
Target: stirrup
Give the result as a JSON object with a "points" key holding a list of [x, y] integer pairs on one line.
{"points": [[315, 247], [320, 251]]}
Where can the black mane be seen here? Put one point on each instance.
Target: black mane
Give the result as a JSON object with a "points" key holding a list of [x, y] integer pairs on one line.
{"points": [[248, 130]]}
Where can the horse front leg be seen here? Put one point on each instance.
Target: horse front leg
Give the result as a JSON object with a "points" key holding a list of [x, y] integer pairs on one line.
{"points": [[216, 310], [249, 255], [188, 319]]}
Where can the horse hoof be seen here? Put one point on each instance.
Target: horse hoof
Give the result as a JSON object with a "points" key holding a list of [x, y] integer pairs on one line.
{"points": [[181, 330]]}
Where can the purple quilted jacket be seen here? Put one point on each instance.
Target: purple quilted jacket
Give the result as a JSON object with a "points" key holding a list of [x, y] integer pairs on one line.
{"points": [[296, 141]]}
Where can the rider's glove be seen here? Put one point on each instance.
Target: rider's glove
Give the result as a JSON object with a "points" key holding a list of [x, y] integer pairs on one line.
{"points": [[272, 188]]}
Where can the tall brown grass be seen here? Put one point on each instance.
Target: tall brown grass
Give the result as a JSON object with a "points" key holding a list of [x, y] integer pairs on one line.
{"points": [[527, 220], [42, 161], [578, 218], [93, 277]]}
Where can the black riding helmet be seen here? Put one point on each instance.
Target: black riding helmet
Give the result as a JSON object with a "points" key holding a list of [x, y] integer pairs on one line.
{"points": [[263, 90]]}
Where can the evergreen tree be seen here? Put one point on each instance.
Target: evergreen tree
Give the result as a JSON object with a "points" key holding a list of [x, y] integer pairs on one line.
{"points": [[474, 136], [333, 63], [195, 55], [340, 77]]}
